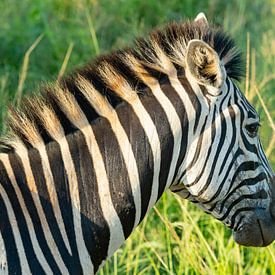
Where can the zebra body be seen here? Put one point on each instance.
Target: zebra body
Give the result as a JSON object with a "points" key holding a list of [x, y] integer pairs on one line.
{"points": [[85, 162]]}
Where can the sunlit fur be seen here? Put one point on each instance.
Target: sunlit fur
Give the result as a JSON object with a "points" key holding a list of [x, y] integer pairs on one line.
{"points": [[163, 47]]}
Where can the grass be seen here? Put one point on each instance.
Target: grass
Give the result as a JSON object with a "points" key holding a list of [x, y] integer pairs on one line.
{"points": [[42, 39]]}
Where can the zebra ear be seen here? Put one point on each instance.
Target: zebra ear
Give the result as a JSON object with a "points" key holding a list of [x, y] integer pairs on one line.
{"points": [[201, 19], [204, 64]]}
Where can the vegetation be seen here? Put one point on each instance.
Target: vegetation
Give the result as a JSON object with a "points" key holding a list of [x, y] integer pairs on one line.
{"points": [[41, 39]]}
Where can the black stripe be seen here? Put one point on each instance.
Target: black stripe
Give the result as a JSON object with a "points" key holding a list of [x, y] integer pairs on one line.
{"points": [[181, 111], [21, 222], [100, 86], [95, 228], [248, 146], [206, 163], [218, 150], [245, 166], [261, 194], [36, 166], [13, 262], [246, 182], [213, 135], [233, 138], [241, 210], [39, 177], [192, 96], [198, 149], [142, 152], [198, 117], [119, 182], [83, 103], [159, 118], [64, 198], [20, 176], [142, 90], [67, 126], [264, 160], [177, 103]]}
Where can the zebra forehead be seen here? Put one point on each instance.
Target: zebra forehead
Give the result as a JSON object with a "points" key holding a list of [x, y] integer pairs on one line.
{"points": [[118, 73]]}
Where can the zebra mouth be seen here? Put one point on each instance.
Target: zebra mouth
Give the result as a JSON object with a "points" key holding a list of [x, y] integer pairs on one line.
{"points": [[260, 233], [244, 237], [267, 237]]}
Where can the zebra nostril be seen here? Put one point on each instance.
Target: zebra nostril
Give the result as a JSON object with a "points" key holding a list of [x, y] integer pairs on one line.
{"points": [[263, 194], [240, 228]]}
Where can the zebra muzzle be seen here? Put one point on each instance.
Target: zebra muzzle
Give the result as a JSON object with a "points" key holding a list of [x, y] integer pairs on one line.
{"points": [[260, 230]]}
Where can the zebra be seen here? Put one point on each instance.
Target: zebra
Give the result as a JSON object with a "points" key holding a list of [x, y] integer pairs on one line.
{"points": [[84, 161]]}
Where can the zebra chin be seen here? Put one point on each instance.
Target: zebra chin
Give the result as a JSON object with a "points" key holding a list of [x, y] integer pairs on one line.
{"points": [[260, 230]]}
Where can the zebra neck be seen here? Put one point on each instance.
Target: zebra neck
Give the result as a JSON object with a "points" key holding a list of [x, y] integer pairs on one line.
{"points": [[134, 156], [82, 195], [130, 157], [123, 164], [148, 138]]}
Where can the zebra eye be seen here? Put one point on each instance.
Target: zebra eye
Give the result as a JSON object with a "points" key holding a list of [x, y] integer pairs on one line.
{"points": [[252, 129]]}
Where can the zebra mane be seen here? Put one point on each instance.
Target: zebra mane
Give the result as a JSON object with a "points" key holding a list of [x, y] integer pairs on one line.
{"points": [[81, 98]]}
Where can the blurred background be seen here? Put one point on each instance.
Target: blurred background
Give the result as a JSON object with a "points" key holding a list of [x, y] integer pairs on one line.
{"points": [[40, 40]]}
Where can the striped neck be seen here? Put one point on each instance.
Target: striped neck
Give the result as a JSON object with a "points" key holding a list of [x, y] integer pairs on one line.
{"points": [[96, 184]]}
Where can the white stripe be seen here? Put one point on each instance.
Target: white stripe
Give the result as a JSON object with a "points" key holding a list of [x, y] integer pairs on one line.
{"points": [[130, 162], [214, 185], [22, 151], [52, 194], [36, 247], [109, 212], [16, 233], [125, 91], [84, 256], [104, 109], [197, 167], [191, 114], [195, 189], [175, 125], [152, 134]]}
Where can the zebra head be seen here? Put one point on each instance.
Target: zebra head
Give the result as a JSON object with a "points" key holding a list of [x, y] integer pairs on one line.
{"points": [[226, 171]]}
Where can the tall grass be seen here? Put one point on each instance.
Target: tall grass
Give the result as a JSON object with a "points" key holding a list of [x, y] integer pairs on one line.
{"points": [[176, 237]]}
